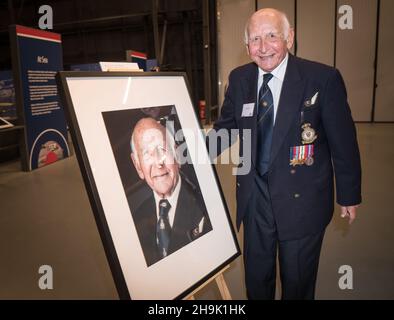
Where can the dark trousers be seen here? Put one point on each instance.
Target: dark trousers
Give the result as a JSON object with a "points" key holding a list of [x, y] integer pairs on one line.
{"points": [[298, 259]]}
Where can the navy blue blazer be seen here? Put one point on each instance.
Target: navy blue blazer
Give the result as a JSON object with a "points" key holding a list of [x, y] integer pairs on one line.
{"points": [[189, 213], [302, 196]]}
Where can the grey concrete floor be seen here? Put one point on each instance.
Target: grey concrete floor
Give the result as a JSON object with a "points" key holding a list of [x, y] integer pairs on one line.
{"points": [[46, 219]]}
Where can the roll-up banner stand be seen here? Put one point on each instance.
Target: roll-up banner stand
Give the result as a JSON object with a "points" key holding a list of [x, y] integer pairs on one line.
{"points": [[36, 58], [138, 57]]}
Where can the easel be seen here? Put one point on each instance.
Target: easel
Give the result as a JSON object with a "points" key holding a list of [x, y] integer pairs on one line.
{"points": [[220, 282]]}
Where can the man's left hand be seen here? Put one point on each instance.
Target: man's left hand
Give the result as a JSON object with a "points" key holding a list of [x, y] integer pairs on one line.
{"points": [[350, 212]]}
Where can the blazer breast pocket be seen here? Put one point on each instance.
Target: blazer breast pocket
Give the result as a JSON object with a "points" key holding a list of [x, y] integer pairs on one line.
{"points": [[313, 107], [310, 114]]}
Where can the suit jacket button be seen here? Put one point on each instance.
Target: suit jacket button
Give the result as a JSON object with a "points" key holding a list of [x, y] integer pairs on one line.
{"points": [[238, 184], [296, 195], [292, 171]]}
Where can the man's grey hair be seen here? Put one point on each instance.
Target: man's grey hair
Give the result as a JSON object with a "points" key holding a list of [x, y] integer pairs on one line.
{"points": [[285, 26]]}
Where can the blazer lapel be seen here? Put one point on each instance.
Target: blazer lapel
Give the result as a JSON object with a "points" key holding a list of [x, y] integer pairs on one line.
{"points": [[182, 220], [289, 105], [146, 221], [249, 88]]}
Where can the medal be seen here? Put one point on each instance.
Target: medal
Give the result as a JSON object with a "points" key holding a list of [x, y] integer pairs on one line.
{"points": [[296, 162], [195, 232], [308, 134], [309, 161]]}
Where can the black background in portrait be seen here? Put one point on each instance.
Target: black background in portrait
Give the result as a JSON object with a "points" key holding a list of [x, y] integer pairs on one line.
{"points": [[120, 125]]}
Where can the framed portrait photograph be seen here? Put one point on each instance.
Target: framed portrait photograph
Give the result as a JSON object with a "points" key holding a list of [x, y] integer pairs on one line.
{"points": [[154, 192]]}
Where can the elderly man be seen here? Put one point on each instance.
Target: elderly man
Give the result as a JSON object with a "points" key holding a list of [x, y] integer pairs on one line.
{"points": [[174, 212], [302, 134]]}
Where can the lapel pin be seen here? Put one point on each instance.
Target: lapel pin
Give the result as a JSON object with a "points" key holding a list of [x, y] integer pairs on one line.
{"points": [[313, 100]]}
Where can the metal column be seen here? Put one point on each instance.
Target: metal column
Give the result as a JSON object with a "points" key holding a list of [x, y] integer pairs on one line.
{"points": [[207, 60]]}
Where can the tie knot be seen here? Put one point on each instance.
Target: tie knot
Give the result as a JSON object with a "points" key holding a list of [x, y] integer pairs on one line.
{"points": [[164, 207], [266, 78]]}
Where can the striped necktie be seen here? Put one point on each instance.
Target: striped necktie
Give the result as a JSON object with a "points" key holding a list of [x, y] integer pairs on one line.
{"points": [[163, 228], [265, 125]]}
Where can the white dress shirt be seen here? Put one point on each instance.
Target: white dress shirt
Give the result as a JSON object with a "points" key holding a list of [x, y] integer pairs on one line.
{"points": [[275, 83], [173, 200]]}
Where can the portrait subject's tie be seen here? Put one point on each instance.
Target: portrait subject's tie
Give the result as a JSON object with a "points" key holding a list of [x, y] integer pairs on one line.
{"points": [[265, 125], [163, 228]]}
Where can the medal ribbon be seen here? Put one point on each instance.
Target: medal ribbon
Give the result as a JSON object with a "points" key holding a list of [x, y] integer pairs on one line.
{"points": [[301, 152]]}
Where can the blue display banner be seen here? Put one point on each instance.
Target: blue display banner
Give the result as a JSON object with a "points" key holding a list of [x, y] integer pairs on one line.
{"points": [[37, 57], [138, 57]]}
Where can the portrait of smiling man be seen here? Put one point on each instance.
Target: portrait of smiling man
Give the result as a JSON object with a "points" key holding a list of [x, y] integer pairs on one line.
{"points": [[173, 214]]}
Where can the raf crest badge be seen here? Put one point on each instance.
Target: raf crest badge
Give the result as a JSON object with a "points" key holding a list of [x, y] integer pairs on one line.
{"points": [[308, 134]]}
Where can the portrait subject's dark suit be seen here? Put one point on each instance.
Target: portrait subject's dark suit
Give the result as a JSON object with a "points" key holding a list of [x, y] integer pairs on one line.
{"points": [[301, 196], [189, 213]]}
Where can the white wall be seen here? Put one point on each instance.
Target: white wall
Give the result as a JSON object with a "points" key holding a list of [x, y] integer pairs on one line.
{"points": [[232, 17], [315, 30], [356, 55], [384, 105]]}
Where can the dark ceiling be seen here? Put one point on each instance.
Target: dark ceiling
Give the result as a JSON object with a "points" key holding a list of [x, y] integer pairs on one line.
{"points": [[102, 30]]}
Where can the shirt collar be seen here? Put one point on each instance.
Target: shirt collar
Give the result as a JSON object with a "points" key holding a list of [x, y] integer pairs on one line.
{"points": [[173, 198], [279, 71]]}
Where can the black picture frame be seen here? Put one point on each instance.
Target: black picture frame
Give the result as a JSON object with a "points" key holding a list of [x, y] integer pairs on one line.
{"points": [[86, 96]]}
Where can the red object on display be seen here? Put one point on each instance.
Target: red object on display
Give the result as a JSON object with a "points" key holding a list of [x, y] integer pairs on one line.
{"points": [[51, 158], [201, 108]]}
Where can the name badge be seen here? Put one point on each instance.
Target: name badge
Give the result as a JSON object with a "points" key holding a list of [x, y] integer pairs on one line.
{"points": [[247, 110]]}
